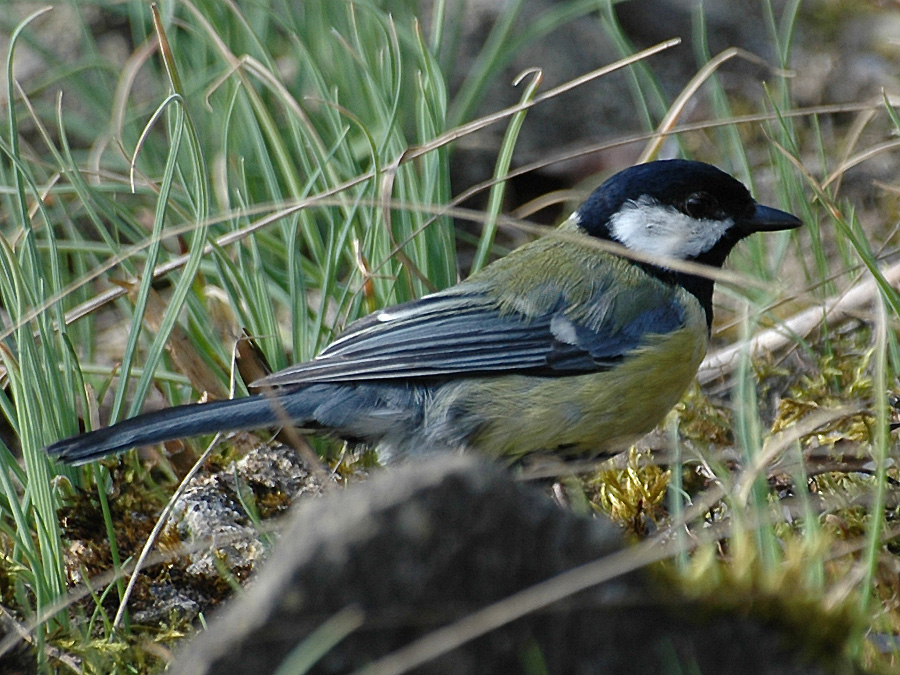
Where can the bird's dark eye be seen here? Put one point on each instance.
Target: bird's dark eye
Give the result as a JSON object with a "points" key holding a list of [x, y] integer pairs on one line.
{"points": [[701, 205]]}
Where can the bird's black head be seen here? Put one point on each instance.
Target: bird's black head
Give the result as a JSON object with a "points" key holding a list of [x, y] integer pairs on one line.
{"points": [[678, 209]]}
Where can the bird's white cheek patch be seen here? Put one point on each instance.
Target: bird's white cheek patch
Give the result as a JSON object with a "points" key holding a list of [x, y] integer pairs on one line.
{"points": [[649, 227]]}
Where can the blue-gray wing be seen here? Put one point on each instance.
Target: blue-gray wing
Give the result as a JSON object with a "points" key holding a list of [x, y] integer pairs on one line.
{"points": [[465, 331]]}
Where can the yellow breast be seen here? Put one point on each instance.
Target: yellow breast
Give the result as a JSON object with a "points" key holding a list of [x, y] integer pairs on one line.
{"points": [[516, 415]]}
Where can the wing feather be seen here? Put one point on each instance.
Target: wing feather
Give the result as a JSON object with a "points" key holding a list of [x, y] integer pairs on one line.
{"points": [[454, 332]]}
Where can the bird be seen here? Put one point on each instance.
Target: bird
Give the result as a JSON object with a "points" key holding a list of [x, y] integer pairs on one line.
{"points": [[561, 347]]}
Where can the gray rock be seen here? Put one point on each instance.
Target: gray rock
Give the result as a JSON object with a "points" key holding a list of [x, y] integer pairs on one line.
{"points": [[417, 548]]}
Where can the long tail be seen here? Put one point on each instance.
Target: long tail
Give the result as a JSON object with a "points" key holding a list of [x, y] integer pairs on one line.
{"points": [[182, 421]]}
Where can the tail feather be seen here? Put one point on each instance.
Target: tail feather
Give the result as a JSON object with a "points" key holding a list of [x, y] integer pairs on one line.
{"points": [[182, 421]]}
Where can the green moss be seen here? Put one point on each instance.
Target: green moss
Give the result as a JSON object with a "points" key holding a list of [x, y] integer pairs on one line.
{"points": [[788, 597], [632, 496]]}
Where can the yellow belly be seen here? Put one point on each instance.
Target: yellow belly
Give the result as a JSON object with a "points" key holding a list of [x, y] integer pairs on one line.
{"points": [[585, 414]]}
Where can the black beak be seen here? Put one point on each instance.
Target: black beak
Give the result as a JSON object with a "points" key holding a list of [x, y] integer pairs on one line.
{"points": [[767, 219]]}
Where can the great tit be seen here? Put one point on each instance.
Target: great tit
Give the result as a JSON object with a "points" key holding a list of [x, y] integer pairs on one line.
{"points": [[558, 347]]}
